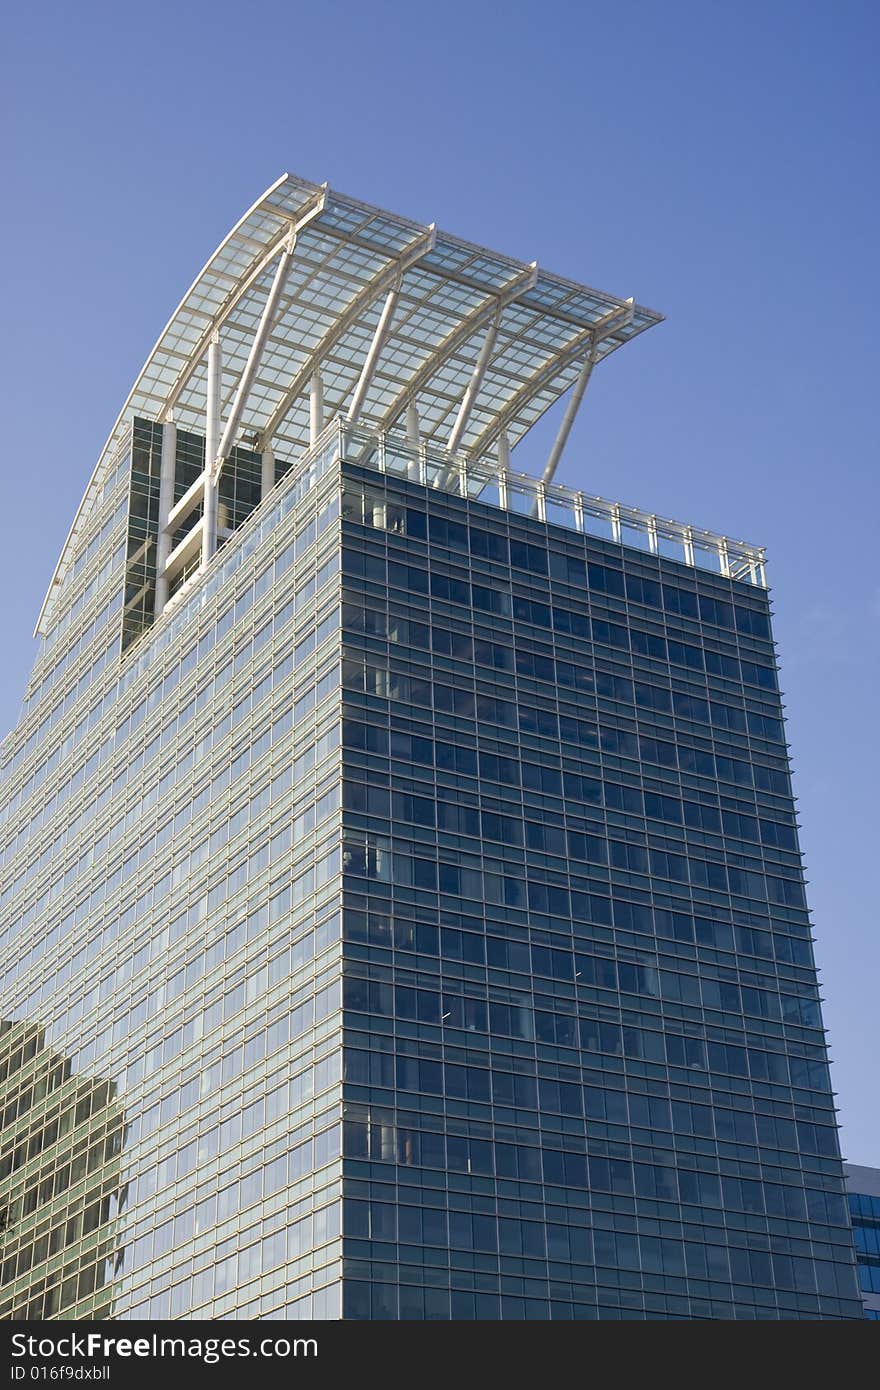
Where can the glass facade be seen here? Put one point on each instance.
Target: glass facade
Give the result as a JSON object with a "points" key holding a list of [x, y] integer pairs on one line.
{"points": [[426, 889], [863, 1186], [584, 1067], [171, 922]]}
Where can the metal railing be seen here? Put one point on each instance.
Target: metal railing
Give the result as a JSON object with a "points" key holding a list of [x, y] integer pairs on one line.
{"points": [[478, 481], [553, 503]]}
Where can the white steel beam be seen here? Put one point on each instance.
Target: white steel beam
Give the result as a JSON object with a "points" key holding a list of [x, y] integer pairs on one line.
{"points": [[255, 356], [413, 426], [313, 209], [187, 503], [473, 387], [568, 419], [186, 550], [373, 290], [212, 445], [503, 452], [166, 501], [610, 323], [316, 407], [267, 478], [380, 336], [484, 313], [584, 341]]}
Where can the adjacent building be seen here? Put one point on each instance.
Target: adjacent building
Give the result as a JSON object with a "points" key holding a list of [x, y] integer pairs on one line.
{"points": [[863, 1186], [406, 841], [61, 1139]]}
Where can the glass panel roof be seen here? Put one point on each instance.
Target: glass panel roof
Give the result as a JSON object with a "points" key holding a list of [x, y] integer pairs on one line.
{"points": [[348, 256]]}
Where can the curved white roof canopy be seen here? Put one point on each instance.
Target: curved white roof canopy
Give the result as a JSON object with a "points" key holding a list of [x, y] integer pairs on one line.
{"points": [[462, 317]]}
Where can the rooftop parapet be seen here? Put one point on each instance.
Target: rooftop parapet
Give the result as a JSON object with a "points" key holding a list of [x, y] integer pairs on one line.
{"points": [[510, 491]]}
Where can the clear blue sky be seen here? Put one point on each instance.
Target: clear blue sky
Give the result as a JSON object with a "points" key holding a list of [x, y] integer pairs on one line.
{"points": [[717, 161]]}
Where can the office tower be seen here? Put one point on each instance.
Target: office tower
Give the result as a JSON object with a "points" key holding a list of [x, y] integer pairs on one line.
{"points": [[408, 839], [863, 1187]]}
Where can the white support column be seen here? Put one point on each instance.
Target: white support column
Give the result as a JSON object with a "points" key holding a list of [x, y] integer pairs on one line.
{"points": [[212, 446], [267, 478], [653, 542], [316, 407], [611, 323], [615, 524], [166, 502], [503, 451], [255, 356], [383, 327], [413, 438], [723, 557], [473, 387], [687, 541], [462, 475], [568, 419]]}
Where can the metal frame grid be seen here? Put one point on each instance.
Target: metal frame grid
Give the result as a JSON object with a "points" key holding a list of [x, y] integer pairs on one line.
{"points": [[329, 305]]}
